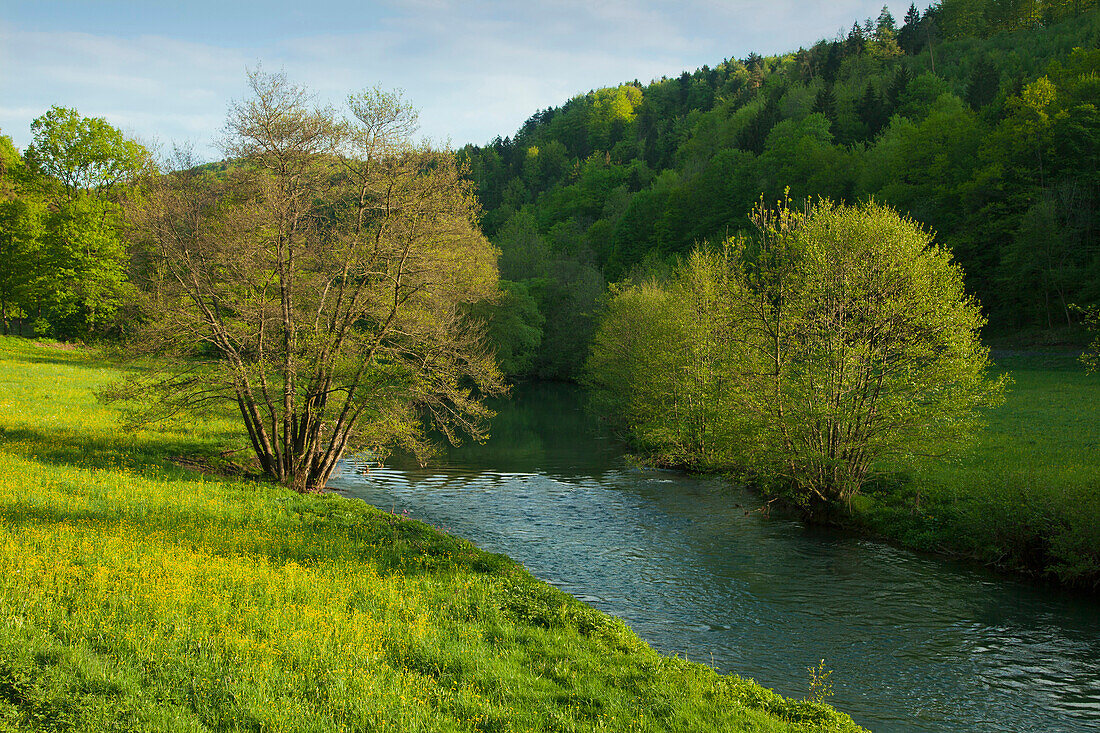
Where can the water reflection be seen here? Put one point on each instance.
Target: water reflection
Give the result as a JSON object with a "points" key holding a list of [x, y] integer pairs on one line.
{"points": [[916, 643]]}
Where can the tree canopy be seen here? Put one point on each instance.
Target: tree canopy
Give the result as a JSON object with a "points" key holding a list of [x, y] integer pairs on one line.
{"points": [[975, 117], [83, 153], [63, 259]]}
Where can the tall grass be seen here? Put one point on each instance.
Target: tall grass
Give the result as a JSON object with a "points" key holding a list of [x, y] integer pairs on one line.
{"points": [[1026, 497], [139, 596]]}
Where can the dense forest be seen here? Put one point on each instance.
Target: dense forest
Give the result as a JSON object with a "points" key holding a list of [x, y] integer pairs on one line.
{"points": [[978, 118]]}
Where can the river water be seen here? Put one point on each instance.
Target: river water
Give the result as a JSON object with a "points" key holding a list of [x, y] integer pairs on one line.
{"points": [[915, 643]]}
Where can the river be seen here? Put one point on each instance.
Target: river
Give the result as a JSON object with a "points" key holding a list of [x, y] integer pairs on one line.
{"points": [[915, 643]]}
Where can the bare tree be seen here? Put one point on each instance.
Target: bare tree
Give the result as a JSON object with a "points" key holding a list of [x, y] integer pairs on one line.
{"points": [[321, 282]]}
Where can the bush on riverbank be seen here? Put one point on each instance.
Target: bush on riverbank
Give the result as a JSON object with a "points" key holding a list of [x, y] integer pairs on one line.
{"points": [[801, 354], [136, 595]]}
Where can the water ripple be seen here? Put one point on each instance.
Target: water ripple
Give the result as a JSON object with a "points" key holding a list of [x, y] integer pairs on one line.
{"points": [[916, 643]]}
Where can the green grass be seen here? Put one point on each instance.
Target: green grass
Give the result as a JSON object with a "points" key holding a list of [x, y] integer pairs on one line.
{"points": [[1026, 497], [138, 596]]}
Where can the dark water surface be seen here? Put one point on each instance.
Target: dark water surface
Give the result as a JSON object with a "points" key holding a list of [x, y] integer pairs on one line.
{"points": [[916, 643]]}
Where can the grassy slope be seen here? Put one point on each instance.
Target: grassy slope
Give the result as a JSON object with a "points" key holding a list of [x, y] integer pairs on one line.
{"points": [[135, 595], [1026, 497]]}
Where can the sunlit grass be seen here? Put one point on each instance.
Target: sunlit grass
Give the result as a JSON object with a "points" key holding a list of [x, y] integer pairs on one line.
{"points": [[1027, 495], [136, 595]]}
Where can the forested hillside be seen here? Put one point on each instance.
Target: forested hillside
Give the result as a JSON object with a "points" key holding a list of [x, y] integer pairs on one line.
{"points": [[979, 118]]}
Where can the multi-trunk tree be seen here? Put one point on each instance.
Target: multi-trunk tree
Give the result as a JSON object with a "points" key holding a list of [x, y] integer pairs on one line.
{"points": [[322, 283], [804, 354]]}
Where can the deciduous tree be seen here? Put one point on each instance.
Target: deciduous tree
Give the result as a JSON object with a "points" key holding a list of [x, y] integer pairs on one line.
{"points": [[322, 284], [21, 229], [832, 338], [869, 344], [84, 153], [64, 259]]}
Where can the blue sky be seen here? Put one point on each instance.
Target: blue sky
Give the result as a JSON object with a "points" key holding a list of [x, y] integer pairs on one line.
{"points": [[165, 72]]}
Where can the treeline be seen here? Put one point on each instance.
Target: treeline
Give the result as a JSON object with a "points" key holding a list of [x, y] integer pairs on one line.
{"points": [[978, 118], [64, 261]]}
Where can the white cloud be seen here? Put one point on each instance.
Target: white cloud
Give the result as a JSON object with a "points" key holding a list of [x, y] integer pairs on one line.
{"points": [[151, 86], [476, 69]]}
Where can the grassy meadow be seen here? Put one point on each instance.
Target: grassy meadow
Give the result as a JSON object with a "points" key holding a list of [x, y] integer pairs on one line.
{"points": [[1026, 496], [136, 595]]}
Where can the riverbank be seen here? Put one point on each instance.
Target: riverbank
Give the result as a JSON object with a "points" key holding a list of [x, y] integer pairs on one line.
{"points": [[1025, 498], [139, 595]]}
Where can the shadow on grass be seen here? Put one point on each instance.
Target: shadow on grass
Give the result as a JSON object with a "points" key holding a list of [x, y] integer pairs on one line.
{"points": [[1019, 360], [24, 358], [34, 352], [121, 448]]}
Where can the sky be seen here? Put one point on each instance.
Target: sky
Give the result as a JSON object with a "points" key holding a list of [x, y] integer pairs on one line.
{"points": [[165, 73]]}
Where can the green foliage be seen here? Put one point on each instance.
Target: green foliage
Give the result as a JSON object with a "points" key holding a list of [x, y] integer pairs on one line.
{"points": [[982, 18], [1023, 496], [22, 217], [1091, 357], [11, 167], [926, 165], [21, 231], [139, 596], [568, 303], [62, 259], [875, 344], [821, 686], [85, 262], [658, 362], [804, 355], [515, 324], [335, 266], [1036, 190], [937, 118], [983, 86], [555, 272], [83, 153]]}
